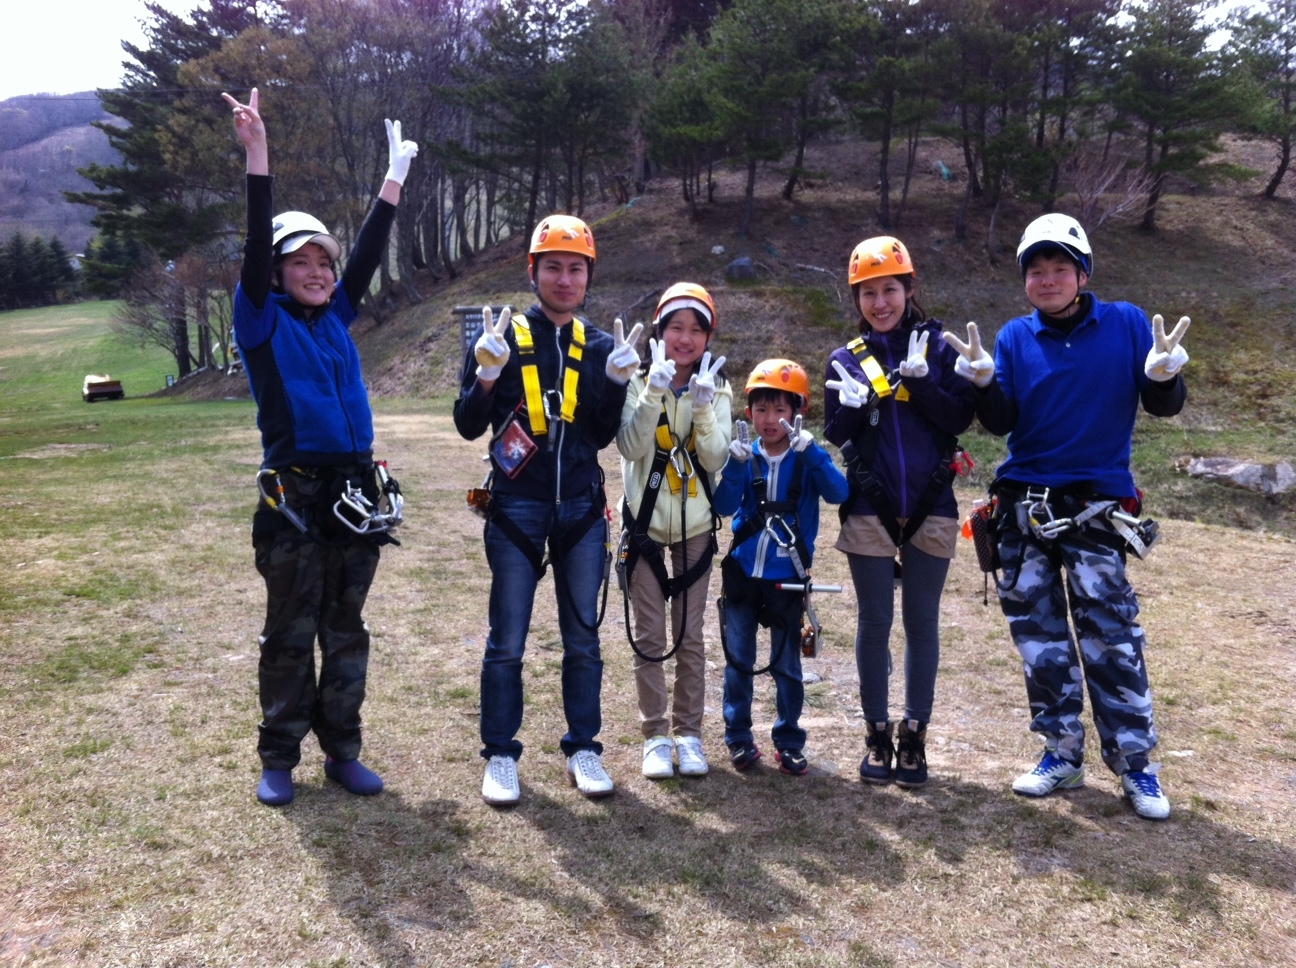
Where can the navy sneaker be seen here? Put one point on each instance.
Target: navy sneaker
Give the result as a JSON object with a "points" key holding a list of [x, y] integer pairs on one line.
{"points": [[878, 763], [792, 761], [354, 776], [275, 788], [743, 755]]}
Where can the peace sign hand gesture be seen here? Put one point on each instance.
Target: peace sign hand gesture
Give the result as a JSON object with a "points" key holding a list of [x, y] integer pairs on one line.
{"points": [[492, 350], [399, 153], [915, 364], [798, 438], [247, 119], [624, 359], [740, 446], [662, 372], [974, 363], [1167, 357], [850, 391], [702, 385]]}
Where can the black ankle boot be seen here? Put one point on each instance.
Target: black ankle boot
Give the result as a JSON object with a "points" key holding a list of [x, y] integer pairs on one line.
{"points": [[911, 753], [876, 767]]}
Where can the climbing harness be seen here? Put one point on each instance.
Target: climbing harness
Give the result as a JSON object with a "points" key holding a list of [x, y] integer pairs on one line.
{"points": [[859, 454], [674, 462], [356, 510], [1035, 514], [775, 520]]}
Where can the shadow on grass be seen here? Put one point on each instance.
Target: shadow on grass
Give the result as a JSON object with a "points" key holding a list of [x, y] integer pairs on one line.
{"points": [[405, 873]]}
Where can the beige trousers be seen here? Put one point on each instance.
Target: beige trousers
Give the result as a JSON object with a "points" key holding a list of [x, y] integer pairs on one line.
{"points": [[652, 639]]}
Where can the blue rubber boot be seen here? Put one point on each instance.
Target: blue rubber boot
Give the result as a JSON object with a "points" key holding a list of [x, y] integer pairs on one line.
{"points": [[354, 776], [275, 788]]}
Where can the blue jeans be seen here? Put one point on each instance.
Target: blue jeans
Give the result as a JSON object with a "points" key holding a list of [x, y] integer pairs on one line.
{"points": [[741, 629], [577, 579]]}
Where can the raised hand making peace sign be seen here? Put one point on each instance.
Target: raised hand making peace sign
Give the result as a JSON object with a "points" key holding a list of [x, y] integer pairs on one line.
{"points": [[1167, 357], [492, 350], [798, 438], [850, 391], [702, 385], [624, 358], [740, 446], [915, 364], [974, 363], [662, 371]]}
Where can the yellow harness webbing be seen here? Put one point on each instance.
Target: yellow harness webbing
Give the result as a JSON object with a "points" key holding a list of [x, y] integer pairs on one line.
{"points": [[872, 369], [667, 443], [531, 374]]}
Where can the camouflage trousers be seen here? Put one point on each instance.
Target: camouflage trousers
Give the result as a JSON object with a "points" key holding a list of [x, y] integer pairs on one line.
{"points": [[314, 589], [1104, 613]]}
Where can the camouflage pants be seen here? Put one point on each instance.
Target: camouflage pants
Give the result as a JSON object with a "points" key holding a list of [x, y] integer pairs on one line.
{"points": [[314, 590], [1104, 612]]}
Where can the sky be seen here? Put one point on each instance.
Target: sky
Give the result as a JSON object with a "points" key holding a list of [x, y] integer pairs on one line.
{"points": [[65, 46]]}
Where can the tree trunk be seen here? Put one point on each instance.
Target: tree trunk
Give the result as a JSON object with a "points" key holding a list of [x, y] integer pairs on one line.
{"points": [[179, 332], [960, 220], [884, 163], [749, 200], [910, 162], [1284, 160]]}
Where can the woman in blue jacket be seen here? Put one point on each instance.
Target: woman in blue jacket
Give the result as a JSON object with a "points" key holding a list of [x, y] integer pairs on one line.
{"points": [[899, 439], [292, 319]]}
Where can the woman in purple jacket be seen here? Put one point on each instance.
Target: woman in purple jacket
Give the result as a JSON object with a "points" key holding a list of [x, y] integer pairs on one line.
{"points": [[894, 405]]}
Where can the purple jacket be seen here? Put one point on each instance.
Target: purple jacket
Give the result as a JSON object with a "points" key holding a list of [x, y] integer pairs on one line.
{"points": [[910, 432]]}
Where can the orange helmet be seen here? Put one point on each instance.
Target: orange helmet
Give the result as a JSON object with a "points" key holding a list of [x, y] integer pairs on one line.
{"points": [[687, 295], [881, 256], [562, 233], [781, 375]]}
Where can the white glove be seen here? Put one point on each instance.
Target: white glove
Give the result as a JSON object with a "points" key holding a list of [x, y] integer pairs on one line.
{"points": [[740, 446], [1167, 357], [974, 363], [491, 349], [702, 385], [850, 391], [915, 364], [623, 360], [662, 372], [399, 153], [798, 438]]}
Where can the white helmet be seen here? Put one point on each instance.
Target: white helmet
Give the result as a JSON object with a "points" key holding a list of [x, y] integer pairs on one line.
{"points": [[292, 230], [1055, 231]]}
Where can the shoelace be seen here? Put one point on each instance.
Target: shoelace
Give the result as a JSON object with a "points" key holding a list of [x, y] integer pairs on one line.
{"points": [[502, 772], [1048, 765], [1147, 784], [587, 762]]}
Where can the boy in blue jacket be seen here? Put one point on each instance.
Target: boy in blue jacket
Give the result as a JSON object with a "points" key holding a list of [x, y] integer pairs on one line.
{"points": [[772, 487]]}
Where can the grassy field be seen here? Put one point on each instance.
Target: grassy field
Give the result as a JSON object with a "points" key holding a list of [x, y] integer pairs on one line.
{"points": [[129, 612]]}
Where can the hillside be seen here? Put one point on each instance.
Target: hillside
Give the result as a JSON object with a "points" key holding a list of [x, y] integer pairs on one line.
{"points": [[44, 139]]}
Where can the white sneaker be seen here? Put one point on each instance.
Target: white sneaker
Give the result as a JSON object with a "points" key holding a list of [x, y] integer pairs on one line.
{"points": [[500, 786], [692, 761], [657, 763], [1144, 792], [1053, 773], [585, 768]]}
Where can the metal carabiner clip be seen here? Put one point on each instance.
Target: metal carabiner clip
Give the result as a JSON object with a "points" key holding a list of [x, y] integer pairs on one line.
{"points": [[772, 526], [553, 404]]}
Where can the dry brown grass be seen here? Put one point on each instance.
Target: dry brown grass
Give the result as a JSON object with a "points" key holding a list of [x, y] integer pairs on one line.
{"points": [[131, 835]]}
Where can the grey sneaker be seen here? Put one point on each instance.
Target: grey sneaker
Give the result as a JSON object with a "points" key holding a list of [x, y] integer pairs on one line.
{"points": [[585, 769], [657, 764], [1053, 773], [500, 786], [1144, 792], [692, 761]]}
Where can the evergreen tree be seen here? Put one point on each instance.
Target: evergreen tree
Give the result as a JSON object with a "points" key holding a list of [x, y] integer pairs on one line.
{"points": [[1177, 93], [1263, 42]]}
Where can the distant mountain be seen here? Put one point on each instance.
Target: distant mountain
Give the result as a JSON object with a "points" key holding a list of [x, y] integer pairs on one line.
{"points": [[44, 139]]}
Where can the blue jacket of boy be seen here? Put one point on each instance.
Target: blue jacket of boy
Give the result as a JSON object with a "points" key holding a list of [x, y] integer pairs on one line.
{"points": [[761, 556]]}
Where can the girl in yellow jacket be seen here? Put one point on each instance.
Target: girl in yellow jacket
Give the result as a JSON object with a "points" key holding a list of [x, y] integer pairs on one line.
{"points": [[675, 431]]}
